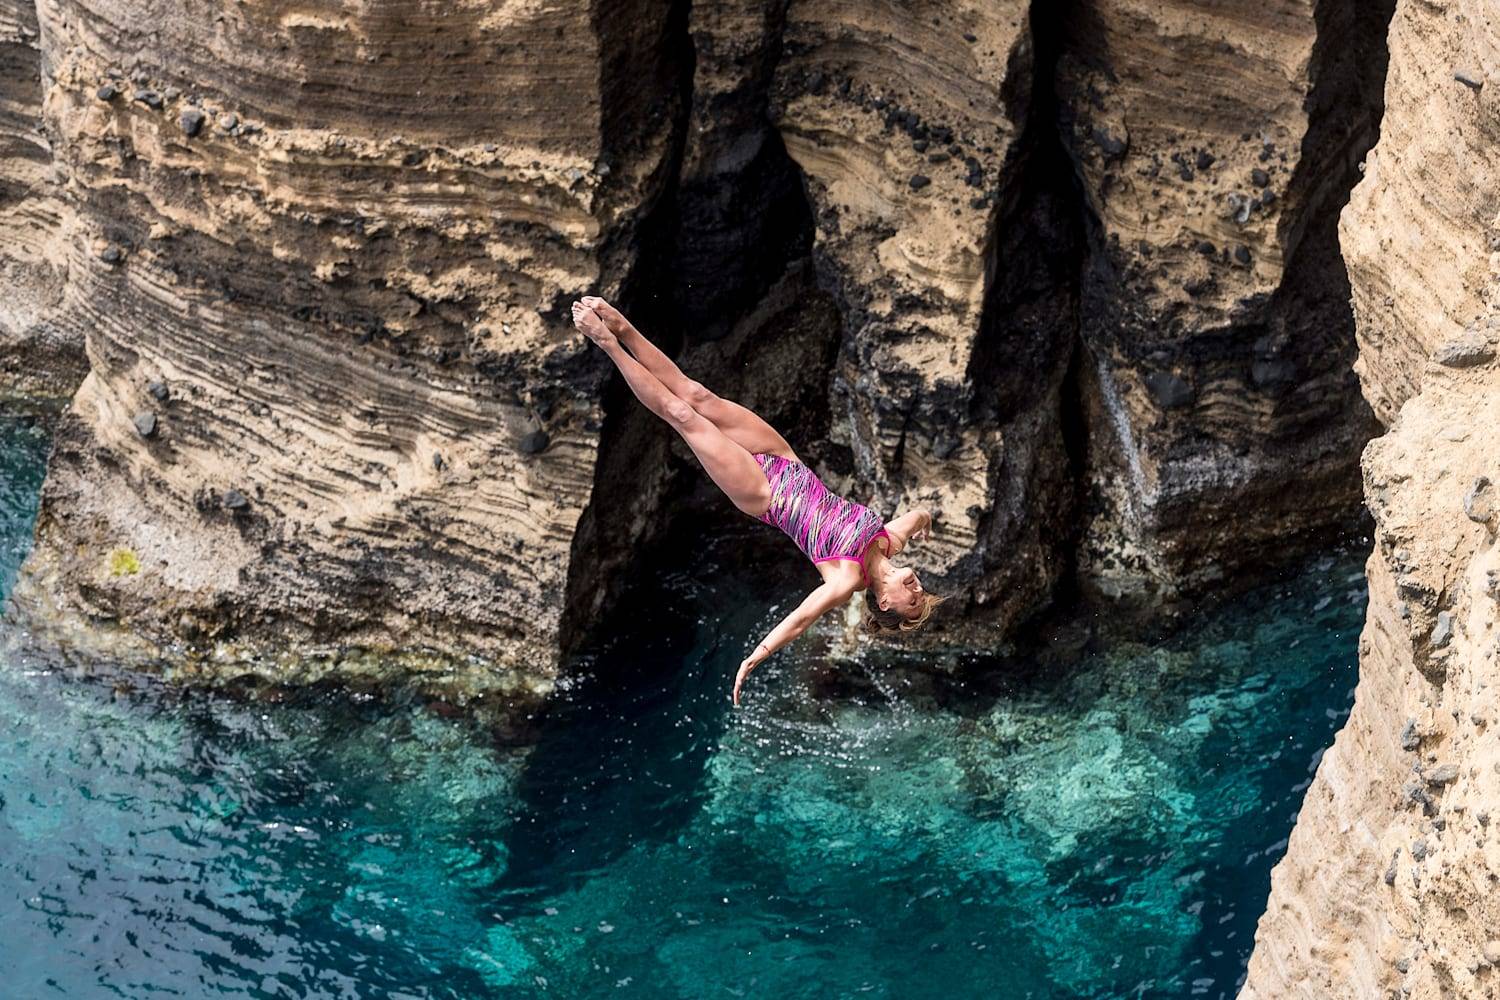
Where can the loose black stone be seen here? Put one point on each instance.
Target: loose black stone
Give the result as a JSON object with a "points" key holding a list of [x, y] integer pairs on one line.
{"points": [[533, 442], [1268, 197], [969, 36], [1445, 775], [191, 120], [1273, 372], [919, 181], [235, 500], [1259, 177], [943, 134], [108, 92], [1169, 390], [1242, 254], [1410, 739], [878, 104], [920, 145], [145, 424], [111, 254], [1184, 171], [158, 391], [437, 461], [815, 81], [974, 180], [844, 86], [149, 98], [1205, 159], [1109, 145], [977, 203], [1468, 78], [938, 158]]}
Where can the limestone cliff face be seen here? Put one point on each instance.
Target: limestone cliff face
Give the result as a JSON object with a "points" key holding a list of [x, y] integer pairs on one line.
{"points": [[322, 262], [41, 353], [911, 127], [1215, 147], [322, 258], [1389, 885]]}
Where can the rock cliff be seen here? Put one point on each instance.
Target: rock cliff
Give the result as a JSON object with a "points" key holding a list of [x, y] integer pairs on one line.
{"points": [[1215, 148], [41, 351], [1065, 274], [322, 262], [1389, 885]]}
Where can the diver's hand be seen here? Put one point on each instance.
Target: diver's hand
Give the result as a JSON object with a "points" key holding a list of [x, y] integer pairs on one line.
{"points": [[925, 531], [748, 664]]}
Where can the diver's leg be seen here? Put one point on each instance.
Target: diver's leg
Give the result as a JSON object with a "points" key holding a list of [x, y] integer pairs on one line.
{"points": [[730, 466], [742, 424]]}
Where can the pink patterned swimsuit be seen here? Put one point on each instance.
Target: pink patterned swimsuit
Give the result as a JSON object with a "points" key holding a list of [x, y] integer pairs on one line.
{"points": [[824, 525]]}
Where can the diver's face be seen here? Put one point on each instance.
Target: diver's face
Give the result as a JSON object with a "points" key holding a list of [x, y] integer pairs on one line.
{"points": [[902, 593]]}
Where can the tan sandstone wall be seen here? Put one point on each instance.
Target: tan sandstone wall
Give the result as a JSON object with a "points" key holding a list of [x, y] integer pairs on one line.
{"points": [[321, 258], [40, 352], [1215, 145], [323, 262], [1389, 885]]}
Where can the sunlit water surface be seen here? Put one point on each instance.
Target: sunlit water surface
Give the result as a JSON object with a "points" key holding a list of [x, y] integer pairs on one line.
{"points": [[1108, 832]]}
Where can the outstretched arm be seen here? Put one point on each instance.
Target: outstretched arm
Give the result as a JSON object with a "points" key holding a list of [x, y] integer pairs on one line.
{"points": [[810, 610]]}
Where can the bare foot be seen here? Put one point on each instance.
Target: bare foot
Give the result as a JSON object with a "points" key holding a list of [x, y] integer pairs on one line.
{"points": [[613, 318], [592, 327]]}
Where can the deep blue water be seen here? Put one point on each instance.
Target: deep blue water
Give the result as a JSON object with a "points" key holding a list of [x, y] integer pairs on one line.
{"points": [[1107, 831]]}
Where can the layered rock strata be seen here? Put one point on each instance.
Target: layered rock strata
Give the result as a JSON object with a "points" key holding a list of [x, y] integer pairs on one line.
{"points": [[910, 124], [1215, 148], [323, 263], [1389, 884], [322, 260], [41, 352]]}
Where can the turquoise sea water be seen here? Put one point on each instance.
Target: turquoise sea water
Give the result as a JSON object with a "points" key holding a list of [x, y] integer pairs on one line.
{"points": [[1104, 831]]}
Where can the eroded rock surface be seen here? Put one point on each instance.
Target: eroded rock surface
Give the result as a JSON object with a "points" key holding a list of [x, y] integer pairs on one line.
{"points": [[41, 353], [1389, 884], [911, 126], [323, 262], [1215, 147]]}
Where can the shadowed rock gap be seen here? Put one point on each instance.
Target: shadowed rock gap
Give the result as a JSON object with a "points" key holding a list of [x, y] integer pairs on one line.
{"points": [[1022, 373], [720, 283]]}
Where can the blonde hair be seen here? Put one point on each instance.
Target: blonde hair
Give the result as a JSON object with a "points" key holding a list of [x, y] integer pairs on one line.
{"points": [[878, 622]]}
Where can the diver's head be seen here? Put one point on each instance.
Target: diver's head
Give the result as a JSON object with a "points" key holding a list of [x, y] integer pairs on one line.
{"points": [[896, 602]]}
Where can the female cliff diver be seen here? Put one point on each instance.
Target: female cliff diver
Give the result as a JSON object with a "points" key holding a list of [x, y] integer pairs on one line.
{"points": [[763, 477]]}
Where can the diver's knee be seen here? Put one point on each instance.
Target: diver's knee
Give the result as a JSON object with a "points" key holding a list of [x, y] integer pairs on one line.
{"points": [[680, 413], [699, 394]]}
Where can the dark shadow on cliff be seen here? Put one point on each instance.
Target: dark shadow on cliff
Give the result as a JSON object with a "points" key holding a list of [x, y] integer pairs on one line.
{"points": [[717, 278]]}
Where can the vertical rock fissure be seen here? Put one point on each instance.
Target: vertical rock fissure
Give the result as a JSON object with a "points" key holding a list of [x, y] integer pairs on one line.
{"points": [[719, 280], [631, 452], [1024, 370]]}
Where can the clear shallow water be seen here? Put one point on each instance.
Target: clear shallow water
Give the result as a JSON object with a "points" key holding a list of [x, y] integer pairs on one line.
{"points": [[1107, 833]]}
